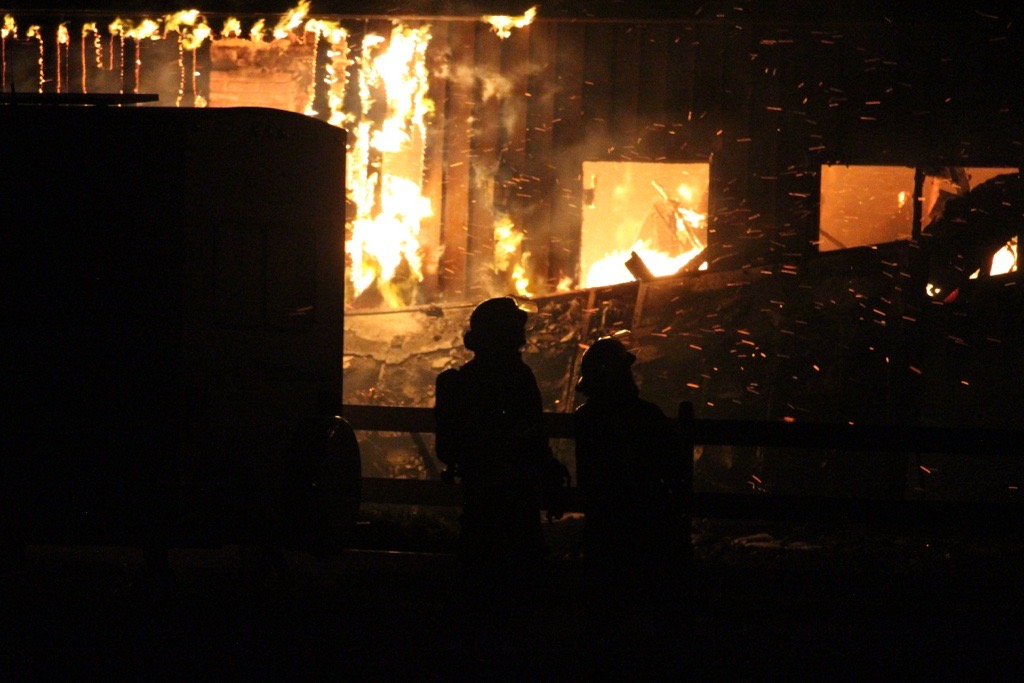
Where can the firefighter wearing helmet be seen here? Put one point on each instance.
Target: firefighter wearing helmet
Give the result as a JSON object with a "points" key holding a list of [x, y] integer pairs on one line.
{"points": [[491, 437], [632, 481]]}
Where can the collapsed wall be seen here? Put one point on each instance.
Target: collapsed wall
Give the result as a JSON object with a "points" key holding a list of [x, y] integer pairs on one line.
{"points": [[844, 337]]}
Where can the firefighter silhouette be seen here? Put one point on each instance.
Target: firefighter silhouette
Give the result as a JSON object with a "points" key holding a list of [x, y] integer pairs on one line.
{"points": [[491, 438], [633, 482]]}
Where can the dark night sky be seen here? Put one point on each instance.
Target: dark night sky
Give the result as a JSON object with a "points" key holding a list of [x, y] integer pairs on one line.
{"points": [[904, 11]]}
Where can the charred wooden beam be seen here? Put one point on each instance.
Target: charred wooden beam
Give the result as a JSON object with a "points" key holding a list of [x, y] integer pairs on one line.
{"points": [[878, 438], [69, 98], [746, 506], [856, 510], [453, 271], [638, 269]]}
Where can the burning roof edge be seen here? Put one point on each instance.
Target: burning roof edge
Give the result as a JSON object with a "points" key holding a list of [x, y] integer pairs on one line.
{"points": [[773, 11]]}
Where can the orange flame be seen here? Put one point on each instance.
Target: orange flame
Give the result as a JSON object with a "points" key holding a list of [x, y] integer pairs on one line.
{"points": [[1005, 260], [331, 30], [232, 28], [97, 46], [506, 243], [503, 25], [178, 20], [334, 70], [198, 35], [507, 258], [386, 155], [612, 269], [9, 28], [291, 20], [257, 31], [63, 56], [147, 29], [521, 276], [385, 165], [191, 26], [35, 32], [687, 225]]}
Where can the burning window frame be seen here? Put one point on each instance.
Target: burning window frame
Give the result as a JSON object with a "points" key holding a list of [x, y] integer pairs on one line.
{"points": [[665, 236], [933, 189], [864, 186]]}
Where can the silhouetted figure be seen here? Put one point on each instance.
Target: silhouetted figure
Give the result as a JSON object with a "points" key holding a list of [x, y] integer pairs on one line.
{"points": [[314, 503], [325, 482], [633, 482], [491, 437]]}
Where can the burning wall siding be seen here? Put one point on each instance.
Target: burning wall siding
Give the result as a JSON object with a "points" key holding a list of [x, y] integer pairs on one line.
{"points": [[393, 357], [826, 344], [848, 338], [278, 75], [514, 118]]}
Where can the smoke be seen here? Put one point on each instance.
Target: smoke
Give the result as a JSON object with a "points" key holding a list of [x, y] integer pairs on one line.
{"points": [[491, 83]]}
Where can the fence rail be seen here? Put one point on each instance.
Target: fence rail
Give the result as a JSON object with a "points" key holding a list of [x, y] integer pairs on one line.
{"points": [[795, 435], [848, 437]]}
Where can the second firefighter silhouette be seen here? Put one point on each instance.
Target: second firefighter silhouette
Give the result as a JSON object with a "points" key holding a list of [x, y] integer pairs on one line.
{"points": [[490, 435], [634, 484]]}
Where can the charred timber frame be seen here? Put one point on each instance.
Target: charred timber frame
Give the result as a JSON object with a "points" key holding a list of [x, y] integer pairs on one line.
{"points": [[454, 273], [770, 101], [840, 437]]}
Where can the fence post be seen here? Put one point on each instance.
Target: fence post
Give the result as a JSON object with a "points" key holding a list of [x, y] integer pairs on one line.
{"points": [[685, 424], [685, 421]]}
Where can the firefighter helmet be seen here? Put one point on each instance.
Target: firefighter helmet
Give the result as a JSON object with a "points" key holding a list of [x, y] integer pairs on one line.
{"points": [[496, 324], [606, 363]]}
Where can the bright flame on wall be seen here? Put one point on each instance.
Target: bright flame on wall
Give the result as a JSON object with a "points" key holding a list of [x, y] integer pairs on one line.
{"points": [[612, 269], [385, 165], [385, 123], [290, 21], [232, 28], [629, 208], [503, 25], [1005, 260], [509, 259]]}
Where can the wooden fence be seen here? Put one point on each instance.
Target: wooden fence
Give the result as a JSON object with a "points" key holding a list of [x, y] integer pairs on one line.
{"points": [[968, 442]]}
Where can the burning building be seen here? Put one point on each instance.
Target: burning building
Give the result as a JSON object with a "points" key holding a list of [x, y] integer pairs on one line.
{"points": [[778, 186]]}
